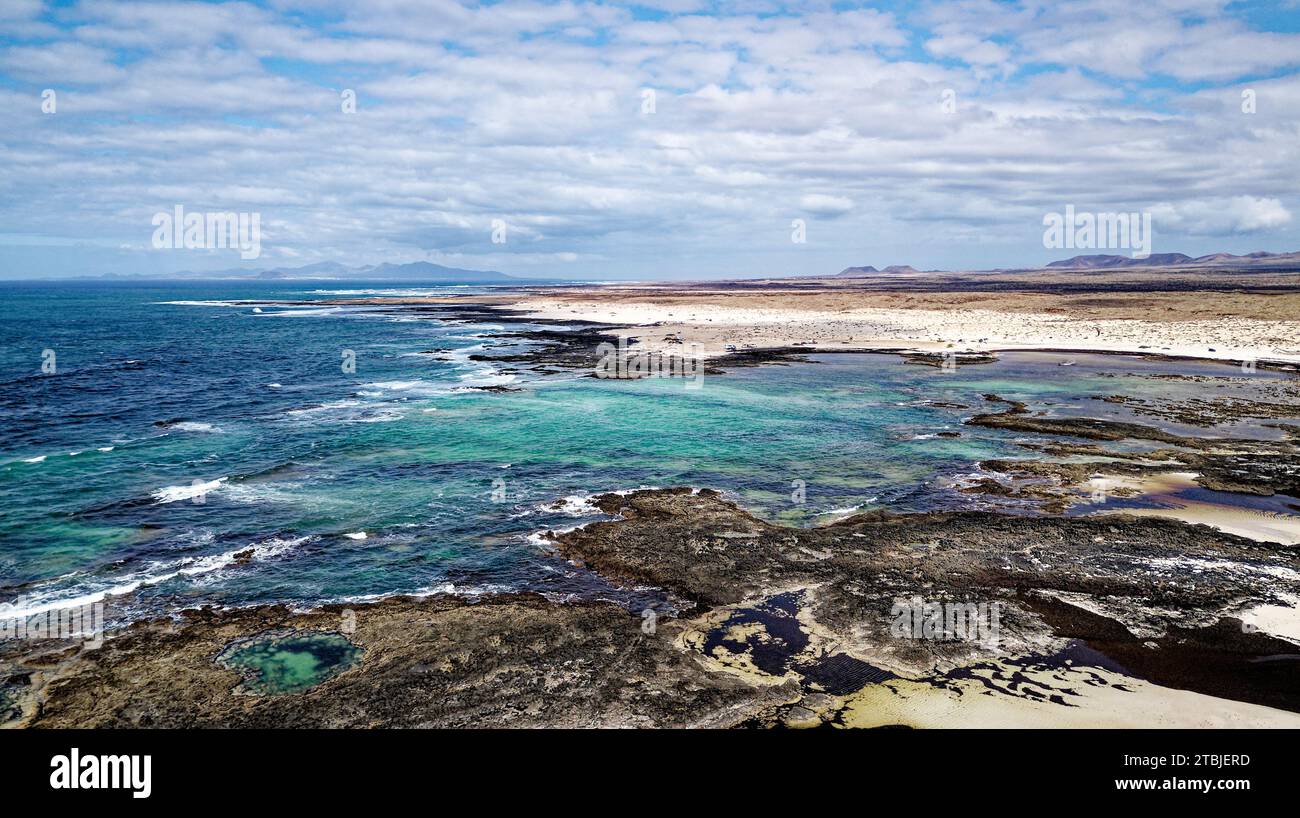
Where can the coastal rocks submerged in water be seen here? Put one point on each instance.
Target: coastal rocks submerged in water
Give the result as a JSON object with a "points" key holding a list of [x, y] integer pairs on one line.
{"points": [[1240, 465], [789, 626]]}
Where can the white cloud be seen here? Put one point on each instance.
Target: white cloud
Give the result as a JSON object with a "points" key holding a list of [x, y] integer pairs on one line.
{"points": [[1236, 214], [532, 112], [970, 50], [820, 204], [58, 63]]}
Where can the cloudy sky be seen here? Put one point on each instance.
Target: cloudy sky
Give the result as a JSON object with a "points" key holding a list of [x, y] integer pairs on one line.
{"points": [[665, 139]]}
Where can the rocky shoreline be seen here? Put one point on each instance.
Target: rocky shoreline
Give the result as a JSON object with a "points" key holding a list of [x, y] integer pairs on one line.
{"points": [[777, 626]]}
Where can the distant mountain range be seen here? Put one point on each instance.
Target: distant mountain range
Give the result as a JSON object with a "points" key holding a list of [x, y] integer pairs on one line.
{"points": [[854, 272], [1100, 261], [416, 271]]}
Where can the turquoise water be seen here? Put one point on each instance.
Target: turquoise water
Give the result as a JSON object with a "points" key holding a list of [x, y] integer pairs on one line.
{"points": [[189, 451], [290, 663]]}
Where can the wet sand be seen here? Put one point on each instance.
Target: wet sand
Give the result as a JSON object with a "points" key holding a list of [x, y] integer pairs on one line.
{"points": [[1166, 492]]}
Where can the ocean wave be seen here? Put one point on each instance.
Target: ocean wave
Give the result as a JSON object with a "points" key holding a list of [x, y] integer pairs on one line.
{"points": [[171, 494], [198, 303], [258, 491], [154, 573], [364, 599], [486, 377], [847, 509], [398, 386], [41, 458], [303, 312], [346, 311], [387, 416], [395, 292], [323, 407], [574, 505], [626, 492], [419, 388], [188, 426], [539, 538], [347, 411]]}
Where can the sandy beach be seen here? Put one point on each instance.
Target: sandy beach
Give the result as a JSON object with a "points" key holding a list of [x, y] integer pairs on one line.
{"points": [[930, 314]]}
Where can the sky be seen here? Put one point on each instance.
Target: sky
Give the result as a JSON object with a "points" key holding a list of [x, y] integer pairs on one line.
{"points": [[670, 139]]}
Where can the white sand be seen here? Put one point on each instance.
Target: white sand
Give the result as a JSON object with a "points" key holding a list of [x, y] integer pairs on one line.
{"points": [[1278, 620], [1141, 704], [1230, 519], [714, 325]]}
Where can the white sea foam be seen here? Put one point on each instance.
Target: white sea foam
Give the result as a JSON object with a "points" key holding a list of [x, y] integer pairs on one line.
{"points": [[626, 492], [258, 491], [486, 377], [347, 411], [401, 292], [154, 573], [198, 303], [192, 426], [539, 538], [847, 509], [379, 417], [171, 494], [324, 407], [297, 311], [362, 599], [575, 505], [398, 386], [356, 535]]}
